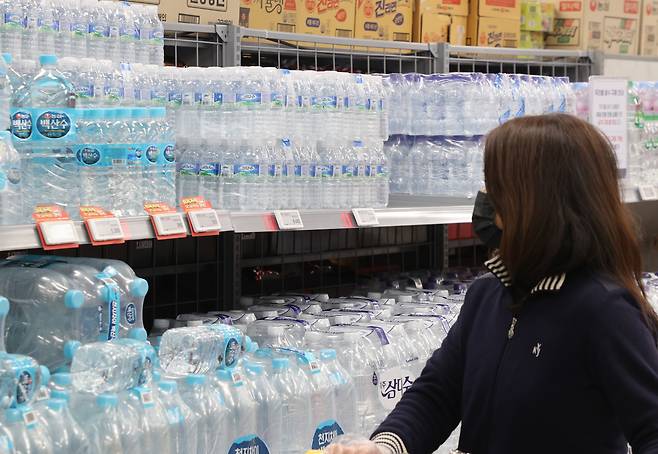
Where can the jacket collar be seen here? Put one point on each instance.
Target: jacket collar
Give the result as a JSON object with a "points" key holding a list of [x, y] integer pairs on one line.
{"points": [[547, 284]]}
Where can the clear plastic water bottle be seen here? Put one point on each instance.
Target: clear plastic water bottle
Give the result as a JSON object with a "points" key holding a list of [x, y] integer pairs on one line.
{"points": [[190, 350], [156, 35], [296, 406], [99, 29], [11, 192], [27, 432], [182, 421], [44, 133], [94, 159], [344, 391], [102, 367], [65, 433], [269, 415], [79, 28], [102, 425], [11, 33], [206, 403]]}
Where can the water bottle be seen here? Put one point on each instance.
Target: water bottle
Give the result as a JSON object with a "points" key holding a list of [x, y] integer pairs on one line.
{"points": [[103, 426], [128, 33], [65, 433], [209, 170], [44, 132], [102, 367], [156, 36], [296, 406], [27, 433], [182, 421], [79, 28], [11, 192], [11, 33], [206, 403], [94, 161], [99, 29], [189, 350], [151, 416], [269, 414], [188, 172]]}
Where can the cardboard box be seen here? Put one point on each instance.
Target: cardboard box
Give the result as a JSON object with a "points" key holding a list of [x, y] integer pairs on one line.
{"points": [[537, 15], [326, 17], [612, 26], [275, 15], [505, 9], [440, 28], [532, 40], [388, 20], [196, 11], [649, 29], [493, 32]]}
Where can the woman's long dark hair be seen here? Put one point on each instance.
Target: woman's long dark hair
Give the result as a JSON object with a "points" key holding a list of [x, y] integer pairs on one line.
{"points": [[553, 181]]}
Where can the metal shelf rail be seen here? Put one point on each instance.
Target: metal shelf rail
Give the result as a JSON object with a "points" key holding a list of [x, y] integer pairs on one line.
{"points": [[231, 45]]}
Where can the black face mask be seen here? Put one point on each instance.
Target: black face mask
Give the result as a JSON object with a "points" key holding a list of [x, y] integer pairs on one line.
{"points": [[484, 224]]}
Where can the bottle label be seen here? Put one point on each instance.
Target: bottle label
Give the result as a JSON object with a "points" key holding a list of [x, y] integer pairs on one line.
{"points": [[249, 444], [361, 170], [210, 169], [26, 374], [51, 125], [325, 433], [323, 171], [79, 29], [275, 170], [232, 353], [135, 154], [50, 25], [278, 100], [227, 170], [246, 169], [89, 154], [85, 91], [128, 33], [248, 99], [131, 314], [152, 155], [324, 102], [393, 383], [113, 93], [188, 168], [14, 20], [21, 124], [99, 31], [348, 171], [113, 301], [157, 36], [382, 171]]}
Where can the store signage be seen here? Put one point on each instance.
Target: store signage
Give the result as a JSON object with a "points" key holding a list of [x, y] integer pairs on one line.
{"points": [[609, 112]]}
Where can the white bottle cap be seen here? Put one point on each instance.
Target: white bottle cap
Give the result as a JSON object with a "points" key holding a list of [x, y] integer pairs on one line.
{"points": [[195, 323], [160, 323], [404, 298]]}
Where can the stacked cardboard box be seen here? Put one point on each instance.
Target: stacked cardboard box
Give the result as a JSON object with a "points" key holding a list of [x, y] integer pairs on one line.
{"points": [[277, 15], [326, 17], [494, 23], [612, 26], [388, 20], [649, 29], [196, 11], [438, 21], [537, 18]]}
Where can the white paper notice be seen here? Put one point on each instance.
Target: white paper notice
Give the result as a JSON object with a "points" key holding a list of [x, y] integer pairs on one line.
{"points": [[609, 112]]}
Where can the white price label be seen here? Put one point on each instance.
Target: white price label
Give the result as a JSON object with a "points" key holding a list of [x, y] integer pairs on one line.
{"points": [[169, 224], [204, 220], [105, 229], [393, 383], [647, 192], [58, 232], [289, 219], [365, 217], [608, 112]]}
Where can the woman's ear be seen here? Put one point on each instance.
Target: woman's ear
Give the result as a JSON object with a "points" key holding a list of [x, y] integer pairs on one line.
{"points": [[498, 221]]}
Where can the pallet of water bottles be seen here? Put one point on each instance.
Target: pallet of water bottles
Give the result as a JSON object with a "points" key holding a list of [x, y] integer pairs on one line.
{"points": [[285, 374]]}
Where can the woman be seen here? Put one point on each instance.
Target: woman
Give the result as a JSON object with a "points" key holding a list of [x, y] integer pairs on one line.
{"points": [[555, 350]]}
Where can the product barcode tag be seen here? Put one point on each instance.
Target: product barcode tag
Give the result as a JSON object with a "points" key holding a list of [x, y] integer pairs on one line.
{"points": [[30, 418], [365, 217], [313, 366], [647, 192], [204, 221], [236, 377], [289, 219], [146, 397], [44, 393], [169, 224], [105, 229], [56, 233]]}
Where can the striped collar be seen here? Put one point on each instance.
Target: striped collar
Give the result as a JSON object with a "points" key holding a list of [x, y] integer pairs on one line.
{"points": [[547, 284]]}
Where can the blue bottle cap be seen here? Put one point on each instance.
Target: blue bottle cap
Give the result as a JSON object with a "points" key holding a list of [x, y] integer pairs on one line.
{"points": [[5, 135], [7, 57], [107, 400], [62, 379], [45, 374], [157, 377], [254, 368], [4, 306], [74, 299], [48, 60], [56, 404], [139, 287], [280, 363], [195, 379], [223, 374], [58, 394], [168, 386], [328, 354], [110, 271], [69, 349]]}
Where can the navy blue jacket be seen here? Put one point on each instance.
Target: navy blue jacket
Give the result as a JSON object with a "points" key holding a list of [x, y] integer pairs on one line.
{"points": [[577, 373]]}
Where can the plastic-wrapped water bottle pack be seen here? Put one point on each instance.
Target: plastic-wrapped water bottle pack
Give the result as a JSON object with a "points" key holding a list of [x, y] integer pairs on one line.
{"points": [[436, 146]]}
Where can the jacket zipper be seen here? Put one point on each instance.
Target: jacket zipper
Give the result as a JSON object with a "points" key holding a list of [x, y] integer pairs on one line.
{"points": [[510, 332]]}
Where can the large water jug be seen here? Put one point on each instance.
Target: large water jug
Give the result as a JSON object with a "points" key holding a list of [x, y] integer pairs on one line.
{"points": [[28, 434], [206, 403], [102, 425], [269, 409], [182, 421], [66, 435], [344, 391], [105, 367]]}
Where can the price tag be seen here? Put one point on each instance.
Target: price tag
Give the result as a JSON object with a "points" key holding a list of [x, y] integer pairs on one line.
{"points": [[167, 222], [169, 225], [647, 192], [365, 217], [608, 112], [289, 219], [102, 226], [202, 218], [204, 221], [56, 230]]}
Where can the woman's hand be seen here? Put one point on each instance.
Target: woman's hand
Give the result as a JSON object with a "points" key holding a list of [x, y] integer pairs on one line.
{"points": [[353, 445]]}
